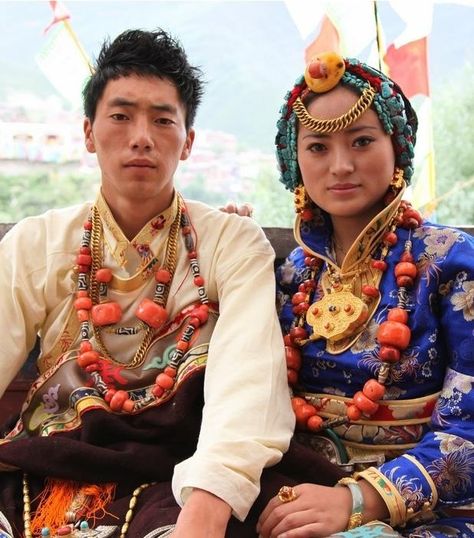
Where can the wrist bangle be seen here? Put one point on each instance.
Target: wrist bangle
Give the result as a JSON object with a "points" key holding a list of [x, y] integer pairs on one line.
{"points": [[355, 519]]}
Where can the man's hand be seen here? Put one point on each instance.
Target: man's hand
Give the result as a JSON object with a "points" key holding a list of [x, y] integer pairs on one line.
{"points": [[203, 516]]}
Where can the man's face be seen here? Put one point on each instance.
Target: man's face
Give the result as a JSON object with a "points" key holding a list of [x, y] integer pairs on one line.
{"points": [[139, 136]]}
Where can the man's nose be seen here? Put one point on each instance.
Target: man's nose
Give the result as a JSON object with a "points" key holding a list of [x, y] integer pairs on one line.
{"points": [[141, 135]]}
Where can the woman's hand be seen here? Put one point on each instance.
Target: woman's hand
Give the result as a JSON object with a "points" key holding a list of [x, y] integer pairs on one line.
{"points": [[244, 210], [318, 511], [203, 516]]}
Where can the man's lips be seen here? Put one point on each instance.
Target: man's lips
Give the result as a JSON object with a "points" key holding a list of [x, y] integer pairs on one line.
{"points": [[140, 163]]}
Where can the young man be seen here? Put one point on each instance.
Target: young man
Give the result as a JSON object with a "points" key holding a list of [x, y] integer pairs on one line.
{"points": [[161, 356]]}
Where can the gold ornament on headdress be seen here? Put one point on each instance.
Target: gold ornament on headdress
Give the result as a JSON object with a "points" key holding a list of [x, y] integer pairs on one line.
{"points": [[335, 124], [322, 74]]}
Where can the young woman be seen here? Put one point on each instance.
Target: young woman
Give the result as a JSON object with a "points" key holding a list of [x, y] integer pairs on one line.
{"points": [[377, 307]]}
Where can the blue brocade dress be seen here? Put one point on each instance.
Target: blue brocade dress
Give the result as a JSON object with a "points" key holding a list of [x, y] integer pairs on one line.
{"points": [[423, 433]]}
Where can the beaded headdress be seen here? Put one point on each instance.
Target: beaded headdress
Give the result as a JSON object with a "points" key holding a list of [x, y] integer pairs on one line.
{"points": [[377, 90]]}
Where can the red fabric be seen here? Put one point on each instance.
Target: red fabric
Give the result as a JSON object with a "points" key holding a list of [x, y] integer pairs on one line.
{"points": [[408, 67]]}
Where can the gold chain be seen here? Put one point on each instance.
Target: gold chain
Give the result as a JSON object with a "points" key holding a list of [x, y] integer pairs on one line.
{"points": [[335, 124], [171, 259]]}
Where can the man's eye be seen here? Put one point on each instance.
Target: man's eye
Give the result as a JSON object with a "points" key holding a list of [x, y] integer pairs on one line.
{"points": [[119, 117], [164, 121]]}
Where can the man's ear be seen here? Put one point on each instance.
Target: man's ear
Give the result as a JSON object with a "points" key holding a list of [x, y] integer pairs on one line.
{"points": [[88, 136], [188, 145]]}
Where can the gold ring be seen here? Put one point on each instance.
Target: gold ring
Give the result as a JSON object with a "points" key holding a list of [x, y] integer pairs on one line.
{"points": [[287, 494]]}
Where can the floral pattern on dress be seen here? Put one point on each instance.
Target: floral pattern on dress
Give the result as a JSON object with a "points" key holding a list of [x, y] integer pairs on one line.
{"points": [[464, 300]]}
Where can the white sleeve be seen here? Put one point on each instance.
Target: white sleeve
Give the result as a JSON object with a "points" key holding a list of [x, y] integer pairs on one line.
{"points": [[247, 418], [21, 308]]}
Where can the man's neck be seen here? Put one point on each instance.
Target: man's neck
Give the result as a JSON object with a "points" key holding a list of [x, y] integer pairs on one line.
{"points": [[132, 215]]}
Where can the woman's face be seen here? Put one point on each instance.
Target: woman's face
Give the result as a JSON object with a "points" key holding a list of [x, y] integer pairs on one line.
{"points": [[346, 173]]}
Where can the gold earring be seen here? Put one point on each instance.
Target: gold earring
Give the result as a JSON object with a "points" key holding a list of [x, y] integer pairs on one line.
{"points": [[303, 204], [397, 179]]}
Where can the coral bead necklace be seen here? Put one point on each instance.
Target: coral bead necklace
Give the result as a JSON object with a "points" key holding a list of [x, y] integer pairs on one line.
{"points": [[96, 312], [393, 335]]}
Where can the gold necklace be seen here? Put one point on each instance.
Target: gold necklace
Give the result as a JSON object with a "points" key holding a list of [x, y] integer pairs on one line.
{"points": [[171, 258]]}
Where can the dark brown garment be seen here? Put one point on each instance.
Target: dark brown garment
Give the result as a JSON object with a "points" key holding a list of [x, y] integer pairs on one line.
{"points": [[132, 450]]}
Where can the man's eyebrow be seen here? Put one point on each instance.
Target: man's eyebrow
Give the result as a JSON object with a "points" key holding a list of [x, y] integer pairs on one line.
{"points": [[122, 101]]}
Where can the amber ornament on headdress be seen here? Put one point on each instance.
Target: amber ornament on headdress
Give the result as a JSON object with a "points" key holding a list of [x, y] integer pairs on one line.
{"points": [[322, 74]]}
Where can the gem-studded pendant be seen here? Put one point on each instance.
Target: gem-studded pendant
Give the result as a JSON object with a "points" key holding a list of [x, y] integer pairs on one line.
{"points": [[337, 315]]}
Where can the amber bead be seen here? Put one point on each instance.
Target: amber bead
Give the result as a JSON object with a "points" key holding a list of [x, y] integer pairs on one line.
{"points": [[182, 346], [117, 400], [292, 376], [374, 390], [82, 293], [169, 370], [298, 333], [390, 238], [287, 340], [314, 423], [84, 250], [128, 406], [164, 381], [406, 269], [199, 281], [398, 314], [108, 395], [370, 291], [103, 274], [163, 276], [379, 264], [82, 268], [413, 214], [84, 346], [88, 357], [202, 313], [158, 391], [405, 281], [151, 313], [367, 406], [389, 354], [87, 225], [106, 313], [300, 308], [83, 259], [296, 401], [298, 298], [394, 333], [293, 357], [82, 315], [83, 303], [303, 412], [353, 412]]}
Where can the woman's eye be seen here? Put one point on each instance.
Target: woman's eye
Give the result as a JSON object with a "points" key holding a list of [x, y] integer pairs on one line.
{"points": [[317, 147], [363, 141]]}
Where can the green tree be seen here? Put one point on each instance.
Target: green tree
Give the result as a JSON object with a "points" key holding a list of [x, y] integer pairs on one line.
{"points": [[453, 121]]}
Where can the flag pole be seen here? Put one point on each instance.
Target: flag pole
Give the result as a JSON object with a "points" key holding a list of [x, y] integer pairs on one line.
{"points": [[378, 37], [76, 41]]}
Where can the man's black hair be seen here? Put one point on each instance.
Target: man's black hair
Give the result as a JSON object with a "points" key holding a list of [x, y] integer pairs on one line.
{"points": [[139, 52]]}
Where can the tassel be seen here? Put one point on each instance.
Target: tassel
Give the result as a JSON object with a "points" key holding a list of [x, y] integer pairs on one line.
{"points": [[61, 499]]}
